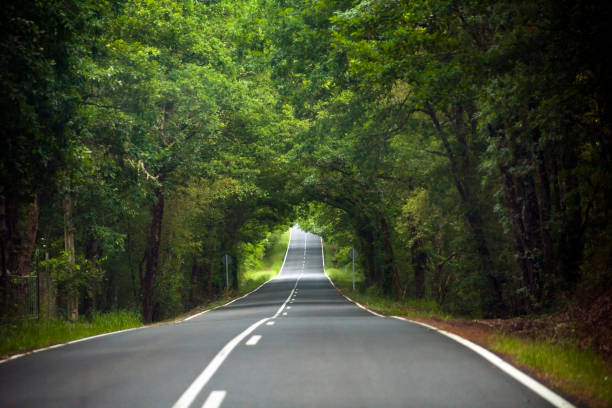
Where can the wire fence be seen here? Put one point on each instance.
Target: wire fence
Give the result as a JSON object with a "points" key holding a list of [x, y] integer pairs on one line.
{"points": [[22, 296]]}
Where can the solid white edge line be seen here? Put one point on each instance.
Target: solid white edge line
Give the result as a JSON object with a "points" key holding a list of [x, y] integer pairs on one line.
{"points": [[245, 295], [535, 386], [196, 386], [335, 287], [54, 346], [16, 356], [215, 399]]}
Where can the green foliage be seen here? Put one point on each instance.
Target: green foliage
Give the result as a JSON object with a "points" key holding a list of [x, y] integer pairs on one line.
{"points": [[25, 335], [461, 147], [573, 368], [73, 278]]}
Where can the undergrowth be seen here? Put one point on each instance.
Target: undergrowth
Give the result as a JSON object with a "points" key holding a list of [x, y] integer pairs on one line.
{"points": [[23, 335], [568, 366]]}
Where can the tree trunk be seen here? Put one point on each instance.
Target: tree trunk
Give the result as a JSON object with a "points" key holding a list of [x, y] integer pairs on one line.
{"points": [[367, 260], [234, 273], [4, 242], [193, 293], [548, 265], [209, 280], [391, 283], [152, 255], [73, 298], [28, 244], [461, 172], [419, 260]]}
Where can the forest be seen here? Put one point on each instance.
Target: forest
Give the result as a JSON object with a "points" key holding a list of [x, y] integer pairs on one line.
{"points": [[463, 147]]}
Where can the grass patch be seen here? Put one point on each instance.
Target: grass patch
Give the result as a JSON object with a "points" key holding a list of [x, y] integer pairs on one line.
{"points": [[572, 369], [270, 265], [370, 297], [24, 335], [575, 371], [343, 279], [251, 279]]}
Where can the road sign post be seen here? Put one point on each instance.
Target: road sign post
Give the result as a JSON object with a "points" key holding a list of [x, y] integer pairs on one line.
{"points": [[353, 254], [226, 260]]}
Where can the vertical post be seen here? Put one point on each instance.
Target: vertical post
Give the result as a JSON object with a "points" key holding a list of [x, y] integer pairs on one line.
{"points": [[226, 275], [37, 287], [48, 286], [353, 271]]}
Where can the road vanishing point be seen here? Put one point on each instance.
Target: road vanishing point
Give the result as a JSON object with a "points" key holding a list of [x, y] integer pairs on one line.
{"points": [[293, 342]]}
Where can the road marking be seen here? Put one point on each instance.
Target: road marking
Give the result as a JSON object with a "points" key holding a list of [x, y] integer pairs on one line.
{"points": [[284, 313], [346, 297], [254, 290], [200, 382], [196, 386], [270, 323], [215, 399], [15, 356], [288, 307], [544, 392], [253, 340]]}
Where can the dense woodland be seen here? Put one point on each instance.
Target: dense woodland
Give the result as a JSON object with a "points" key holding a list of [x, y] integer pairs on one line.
{"points": [[462, 146]]}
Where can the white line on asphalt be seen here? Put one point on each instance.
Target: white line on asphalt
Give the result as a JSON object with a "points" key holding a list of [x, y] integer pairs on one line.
{"points": [[288, 307], [284, 313], [215, 399], [15, 356], [280, 309], [346, 297], [270, 323], [253, 340], [196, 386], [513, 372], [544, 392], [254, 290]]}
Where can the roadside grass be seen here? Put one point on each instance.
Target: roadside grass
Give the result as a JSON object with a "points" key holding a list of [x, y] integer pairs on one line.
{"points": [[24, 335], [270, 265], [568, 367], [251, 279], [581, 373], [343, 279]]}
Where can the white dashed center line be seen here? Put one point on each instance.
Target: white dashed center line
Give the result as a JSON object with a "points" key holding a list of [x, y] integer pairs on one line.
{"points": [[270, 323], [215, 399], [253, 340]]}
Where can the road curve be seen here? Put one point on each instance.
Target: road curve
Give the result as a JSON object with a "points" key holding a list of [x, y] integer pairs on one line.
{"points": [[294, 342]]}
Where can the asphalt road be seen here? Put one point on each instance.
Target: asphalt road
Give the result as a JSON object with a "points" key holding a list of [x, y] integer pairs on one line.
{"points": [[295, 342]]}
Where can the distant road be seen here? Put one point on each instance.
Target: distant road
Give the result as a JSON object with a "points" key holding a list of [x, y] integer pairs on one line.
{"points": [[295, 342]]}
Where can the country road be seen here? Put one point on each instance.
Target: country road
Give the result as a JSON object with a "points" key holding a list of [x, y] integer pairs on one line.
{"points": [[294, 342]]}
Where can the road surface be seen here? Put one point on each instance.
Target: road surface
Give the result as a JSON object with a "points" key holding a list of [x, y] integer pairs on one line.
{"points": [[294, 342]]}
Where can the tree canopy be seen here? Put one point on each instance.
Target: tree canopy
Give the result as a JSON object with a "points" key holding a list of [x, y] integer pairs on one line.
{"points": [[462, 146]]}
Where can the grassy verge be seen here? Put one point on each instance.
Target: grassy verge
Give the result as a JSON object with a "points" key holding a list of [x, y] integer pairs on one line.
{"points": [[575, 371], [24, 335], [251, 279], [343, 279], [582, 374], [270, 265]]}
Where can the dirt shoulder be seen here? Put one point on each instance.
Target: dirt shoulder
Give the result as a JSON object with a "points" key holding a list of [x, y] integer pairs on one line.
{"points": [[484, 333]]}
